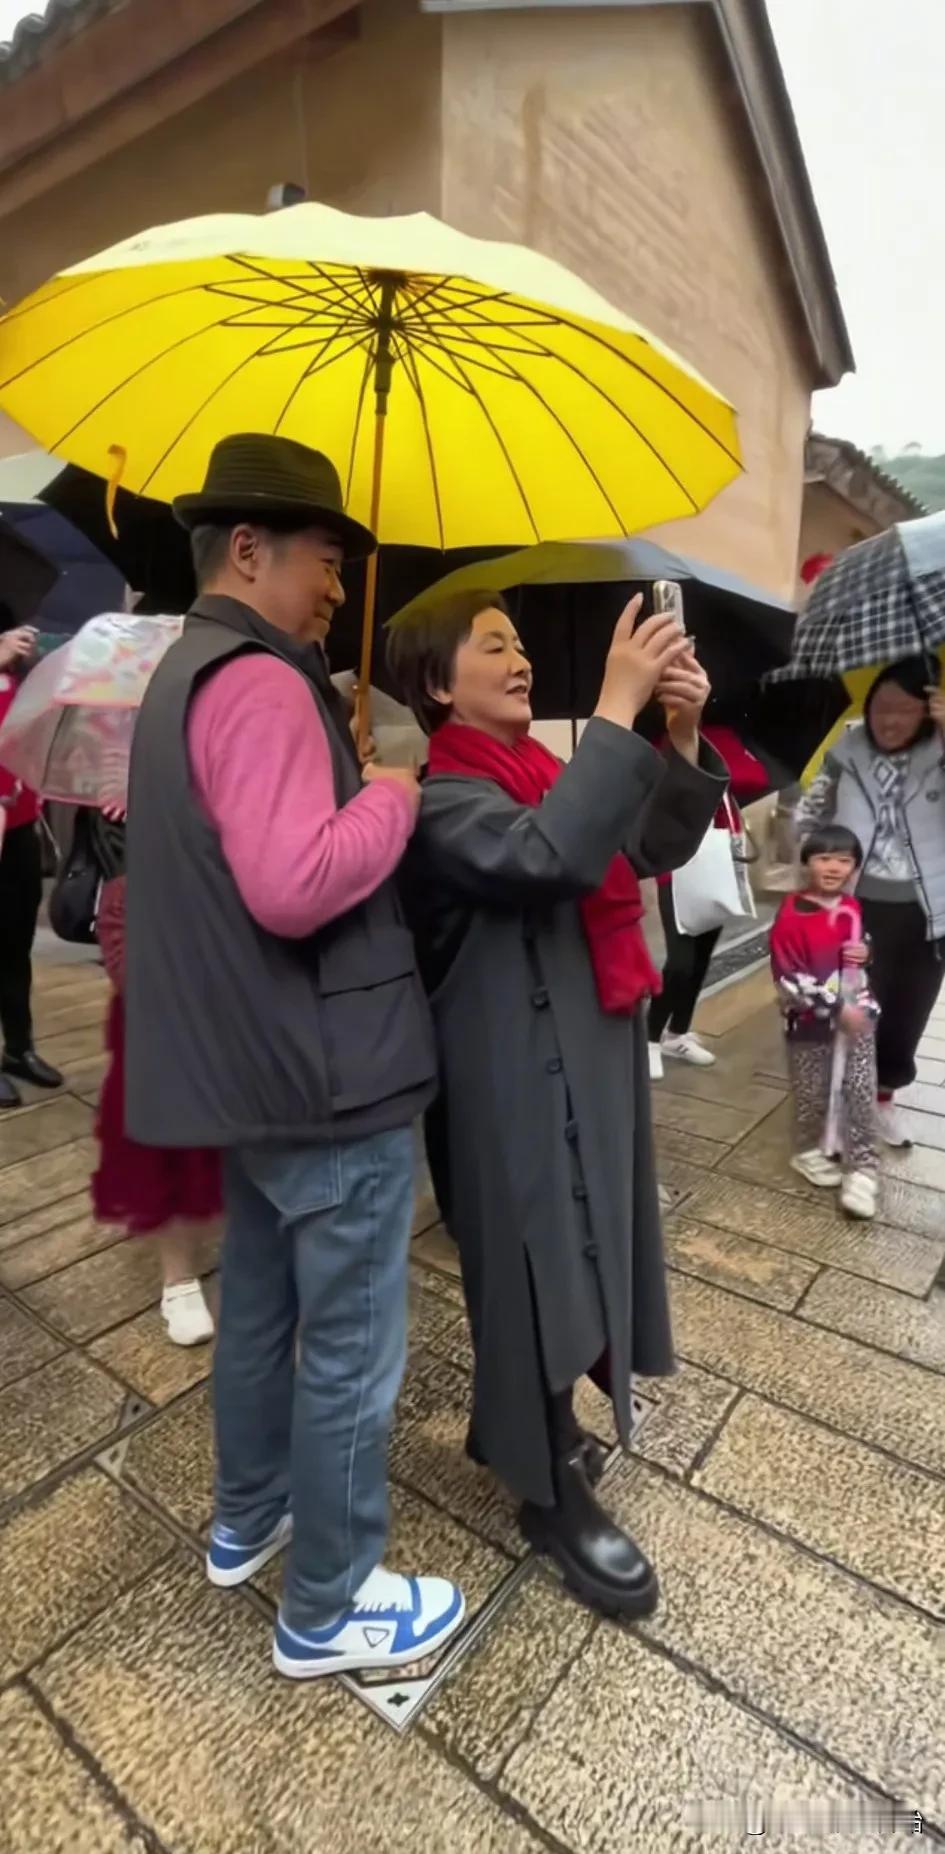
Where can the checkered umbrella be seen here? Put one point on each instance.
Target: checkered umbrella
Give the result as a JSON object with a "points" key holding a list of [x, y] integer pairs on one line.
{"points": [[879, 601]]}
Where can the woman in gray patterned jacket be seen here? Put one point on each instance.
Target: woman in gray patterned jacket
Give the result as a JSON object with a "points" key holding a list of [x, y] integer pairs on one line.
{"points": [[885, 780]]}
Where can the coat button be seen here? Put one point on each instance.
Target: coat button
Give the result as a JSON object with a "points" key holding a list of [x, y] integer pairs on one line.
{"points": [[579, 1193], [571, 1132], [540, 998], [555, 1066], [591, 1251]]}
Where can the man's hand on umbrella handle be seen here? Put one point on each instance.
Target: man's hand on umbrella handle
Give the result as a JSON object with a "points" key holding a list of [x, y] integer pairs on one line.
{"points": [[115, 812], [638, 659], [404, 776], [16, 646]]}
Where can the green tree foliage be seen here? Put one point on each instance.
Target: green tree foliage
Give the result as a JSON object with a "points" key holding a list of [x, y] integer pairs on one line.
{"points": [[923, 476]]}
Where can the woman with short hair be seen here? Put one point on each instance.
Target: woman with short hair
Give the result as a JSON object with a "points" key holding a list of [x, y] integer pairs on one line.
{"points": [[522, 886]]}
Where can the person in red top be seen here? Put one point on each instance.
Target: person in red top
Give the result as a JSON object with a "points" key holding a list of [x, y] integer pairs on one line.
{"points": [[21, 891], [818, 956], [688, 955]]}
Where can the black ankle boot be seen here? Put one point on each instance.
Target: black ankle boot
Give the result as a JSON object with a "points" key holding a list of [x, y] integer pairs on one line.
{"points": [[601, 1564], [594, 1452]]}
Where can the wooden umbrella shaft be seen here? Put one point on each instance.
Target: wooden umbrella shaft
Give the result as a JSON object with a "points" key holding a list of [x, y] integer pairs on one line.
{"points": [[370, 591], [383, 370]]}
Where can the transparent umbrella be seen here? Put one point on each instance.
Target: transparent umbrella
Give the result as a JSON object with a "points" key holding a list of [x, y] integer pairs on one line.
{"points": [[68, 734]]}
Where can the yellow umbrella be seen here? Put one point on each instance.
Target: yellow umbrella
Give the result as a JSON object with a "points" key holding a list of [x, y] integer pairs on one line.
{"points": [[468, 391]]}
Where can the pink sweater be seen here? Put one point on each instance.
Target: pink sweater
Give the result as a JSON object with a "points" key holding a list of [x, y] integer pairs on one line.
{"points": [[261, 766]]}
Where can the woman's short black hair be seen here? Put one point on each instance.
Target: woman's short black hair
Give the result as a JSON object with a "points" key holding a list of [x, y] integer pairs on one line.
{"points": [[832, 840], [421, 651], [914, 676]]}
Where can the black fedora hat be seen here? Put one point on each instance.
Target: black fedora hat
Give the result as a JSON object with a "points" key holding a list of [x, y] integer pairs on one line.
{"points": [[253, 476]]}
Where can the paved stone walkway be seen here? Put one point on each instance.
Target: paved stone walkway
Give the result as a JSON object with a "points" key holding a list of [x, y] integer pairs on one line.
{"points": [[789, 1483]]}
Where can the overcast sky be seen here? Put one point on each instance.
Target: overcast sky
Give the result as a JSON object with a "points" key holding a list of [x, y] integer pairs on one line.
{"points": [[866, 79]]}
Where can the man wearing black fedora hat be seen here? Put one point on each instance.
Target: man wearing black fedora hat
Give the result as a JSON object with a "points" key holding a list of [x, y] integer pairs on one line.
{"points": [[274, 1011]]}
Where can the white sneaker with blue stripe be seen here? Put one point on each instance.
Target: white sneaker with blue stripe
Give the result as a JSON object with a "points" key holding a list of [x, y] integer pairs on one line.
{"points": [[230, 1561], [392, 1621]]}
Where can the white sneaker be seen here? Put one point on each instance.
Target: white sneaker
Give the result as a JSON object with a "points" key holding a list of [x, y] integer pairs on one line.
{"points": [[890, 1124], [392, 1621], [817, 1168], [687, 1048], [858, 1194], [185, 1314], [656, 1062]]}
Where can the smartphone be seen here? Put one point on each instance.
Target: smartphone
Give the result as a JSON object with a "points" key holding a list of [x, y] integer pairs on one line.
{"points": [[667, 597]]}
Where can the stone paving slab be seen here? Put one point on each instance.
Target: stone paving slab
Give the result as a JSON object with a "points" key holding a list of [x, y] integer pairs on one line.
{"points": [[708, 1119], [49, 1803], [172, 1461], [689, 1410], [258, 1764], [628, 1744], [880, 1317], [57, 1412], [30, 1130], [54, 1249], [790, 1481], [764, 1158], [818, 1231], [490, 1705], [139, 1353], [23, 1344], [884, 1401], [106, 1288], [884, 1521], [65, 1558], [34, 1183], [671, 1144], [854, 1673], [754, 1268]]}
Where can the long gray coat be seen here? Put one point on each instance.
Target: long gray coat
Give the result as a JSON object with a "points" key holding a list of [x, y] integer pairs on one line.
{"points": [[552, 1188]]}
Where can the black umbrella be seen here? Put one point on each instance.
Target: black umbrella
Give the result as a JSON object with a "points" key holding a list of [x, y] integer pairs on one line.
{"points": [[26, 577], [567, 597]]}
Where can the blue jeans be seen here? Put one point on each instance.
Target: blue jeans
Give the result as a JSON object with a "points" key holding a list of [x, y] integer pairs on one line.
{"points": [[315, 1252]]}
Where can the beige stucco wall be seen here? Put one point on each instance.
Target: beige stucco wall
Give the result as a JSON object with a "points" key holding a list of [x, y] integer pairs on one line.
{"points": [[829, 523], [361, 128], [605, 140]]}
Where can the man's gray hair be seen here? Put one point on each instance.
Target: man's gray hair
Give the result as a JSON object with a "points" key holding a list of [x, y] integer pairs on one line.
{"points": [[209, 546]]}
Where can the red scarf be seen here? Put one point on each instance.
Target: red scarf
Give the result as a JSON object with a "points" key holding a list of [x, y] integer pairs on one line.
{"points": [[611, 917]]}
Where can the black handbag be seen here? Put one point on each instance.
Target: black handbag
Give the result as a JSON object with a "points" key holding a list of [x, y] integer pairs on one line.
{"points": [[96, 855]]}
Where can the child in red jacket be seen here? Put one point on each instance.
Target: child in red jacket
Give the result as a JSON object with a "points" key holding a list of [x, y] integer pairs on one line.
{"points": [[818, 957]]}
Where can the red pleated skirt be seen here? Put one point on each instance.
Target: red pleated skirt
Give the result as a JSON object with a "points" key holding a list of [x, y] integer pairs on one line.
{"points": [[145, 1187]]}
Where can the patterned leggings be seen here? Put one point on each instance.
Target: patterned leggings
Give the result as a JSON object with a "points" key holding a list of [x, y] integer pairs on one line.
{"points": [[810, 1065]]}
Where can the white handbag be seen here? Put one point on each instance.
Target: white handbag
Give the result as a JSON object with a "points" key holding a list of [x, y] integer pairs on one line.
{"points": [[713, 888]]}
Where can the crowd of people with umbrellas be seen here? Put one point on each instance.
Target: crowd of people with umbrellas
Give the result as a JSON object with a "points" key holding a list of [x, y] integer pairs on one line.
{"points": [[314, 946]]}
